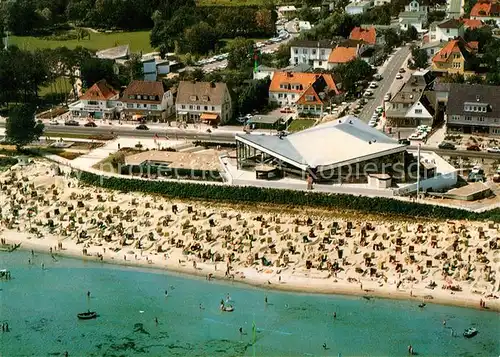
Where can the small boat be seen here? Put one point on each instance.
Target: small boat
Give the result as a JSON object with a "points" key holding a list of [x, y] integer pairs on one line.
{"points": [[470, 332], [228, 309], [422, 305], [87, 315]]}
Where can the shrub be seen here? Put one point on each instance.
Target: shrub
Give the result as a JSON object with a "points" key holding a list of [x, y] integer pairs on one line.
{"points": [[257, 195]]}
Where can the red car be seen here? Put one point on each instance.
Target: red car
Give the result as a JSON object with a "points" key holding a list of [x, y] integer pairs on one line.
{"points": [[473, 148]]}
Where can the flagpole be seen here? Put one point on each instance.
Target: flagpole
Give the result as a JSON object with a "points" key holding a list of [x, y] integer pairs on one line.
{"points": [[418, 170]]}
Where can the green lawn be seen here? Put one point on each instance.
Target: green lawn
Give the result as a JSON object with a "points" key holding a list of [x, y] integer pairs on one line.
{"points": [[138, 41], [300, 124], [61, 85]]}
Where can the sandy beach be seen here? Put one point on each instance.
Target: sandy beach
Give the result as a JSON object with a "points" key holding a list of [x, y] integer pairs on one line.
{"points": [[448, 262]]}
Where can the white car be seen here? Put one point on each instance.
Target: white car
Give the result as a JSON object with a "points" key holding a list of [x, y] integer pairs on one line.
{"points": [[387, 97], [53, 122], [495, 149], [372, 123], [373, 85], [368, 93], [399, 76]]}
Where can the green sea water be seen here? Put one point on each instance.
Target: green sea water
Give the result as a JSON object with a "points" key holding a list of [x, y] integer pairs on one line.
{"points": [[40, 307]]}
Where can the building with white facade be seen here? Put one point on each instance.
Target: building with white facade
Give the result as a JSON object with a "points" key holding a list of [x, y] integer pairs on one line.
{"points": [[155, 66], [358, 7], [147, 99], [99, 102], [203, 102], [473, 109], [446, 30], [414, 15], [313, 53]]}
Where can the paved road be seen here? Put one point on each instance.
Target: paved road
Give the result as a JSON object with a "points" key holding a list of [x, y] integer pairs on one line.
{"points": [[389, 75]]}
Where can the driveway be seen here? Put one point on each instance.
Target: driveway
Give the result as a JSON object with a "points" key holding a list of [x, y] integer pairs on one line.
{"points": [[389, 75]]}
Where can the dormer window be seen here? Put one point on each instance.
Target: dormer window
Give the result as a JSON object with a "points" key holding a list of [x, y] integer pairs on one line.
{"points": [[204, 98], [152, 97], [193, 98], [131, 97], [309, 98], [138, 97]]}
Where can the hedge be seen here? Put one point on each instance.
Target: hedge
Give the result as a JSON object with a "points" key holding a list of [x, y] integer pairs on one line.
{"points": [[257, 195]]}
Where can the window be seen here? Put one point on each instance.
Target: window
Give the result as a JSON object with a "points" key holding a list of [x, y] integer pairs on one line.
{"points": [[418, 111], [130, 105], [280, 95], [154, 106], [204, 98], [190, 107], [183, 106], [93, 102], [304, 51], [138, 96], [320, 63], [313, 52], [151, 97], [480, 119], [296, 51], [296, 60], [309, 98], [213, 108], [447, 30], [468, 118], [455, 117], [197, 107], [293, 96], [131, 97], [205, 107], [322, 52], [145, 105]]}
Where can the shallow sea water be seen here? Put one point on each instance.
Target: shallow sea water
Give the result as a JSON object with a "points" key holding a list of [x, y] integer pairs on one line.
{"points": [[40, 307]]}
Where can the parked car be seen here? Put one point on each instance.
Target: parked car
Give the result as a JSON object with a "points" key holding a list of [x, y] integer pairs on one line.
{"points": [[387, 97], [379, 109], [377, 77], [72, 123], [399, 76], [404, 141], [373, 85], [368, 93], [473, 148], [53, 122], [446, 146], [372, 123], [494, 149], [90, 124], [402, 70], [142, 127]]}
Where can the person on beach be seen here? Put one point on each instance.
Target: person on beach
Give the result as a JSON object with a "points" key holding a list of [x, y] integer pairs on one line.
{"points": [[334, 315], [265, 300], [156, 321], [166, 293], [444, 322], [43, 266], [324, 346], [88, 294], [241, 330]]}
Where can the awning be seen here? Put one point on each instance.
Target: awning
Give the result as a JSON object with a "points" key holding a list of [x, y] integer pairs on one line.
{"points": [[183, 113], [209, 116]]}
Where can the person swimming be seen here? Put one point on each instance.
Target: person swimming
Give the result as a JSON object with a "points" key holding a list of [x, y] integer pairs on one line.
{"points": [[324, 346], [228, 297], [166, 293]]}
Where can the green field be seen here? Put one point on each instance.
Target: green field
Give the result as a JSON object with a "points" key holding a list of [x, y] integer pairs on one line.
{"points": [[61, 85], [300, 124], [138, 41]]}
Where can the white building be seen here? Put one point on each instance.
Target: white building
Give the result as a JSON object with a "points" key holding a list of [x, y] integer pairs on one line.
{"points": [[147, 99], [313, 53], [358, 7], [99, 102], [203, 102], [154, 66], [263, 72], [446, 30], [414, 15]]}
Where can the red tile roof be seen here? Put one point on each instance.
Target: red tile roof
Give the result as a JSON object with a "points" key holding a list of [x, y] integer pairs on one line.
{"points": [[472, 24], [99, 91], [343, 54], [485, 9], [305, 84], [368, 35], [454, 46]]}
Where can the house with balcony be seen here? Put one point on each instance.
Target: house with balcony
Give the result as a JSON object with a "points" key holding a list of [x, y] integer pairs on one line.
{"points": [[455, 57], [446, 30], [414, 15], [313, 53], [486, 10], [473, 109], [99, 102], [208, 102], [310, 93], [147, 100]]}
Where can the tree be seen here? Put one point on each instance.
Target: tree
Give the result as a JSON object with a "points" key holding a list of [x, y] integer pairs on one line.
{"points": [[420, 59], [392, 39], [282, 56], [353, 72], [132, 69], [21, 16], [240, 52], [21, 127], [94, 69], [200, 38], [253, 96], [411, 34]]}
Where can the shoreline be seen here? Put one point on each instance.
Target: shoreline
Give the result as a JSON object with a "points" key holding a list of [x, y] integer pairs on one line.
{"points": [[267, 281]]}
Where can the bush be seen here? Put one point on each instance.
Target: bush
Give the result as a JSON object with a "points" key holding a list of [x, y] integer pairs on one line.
{"points": [[247, 194]]}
